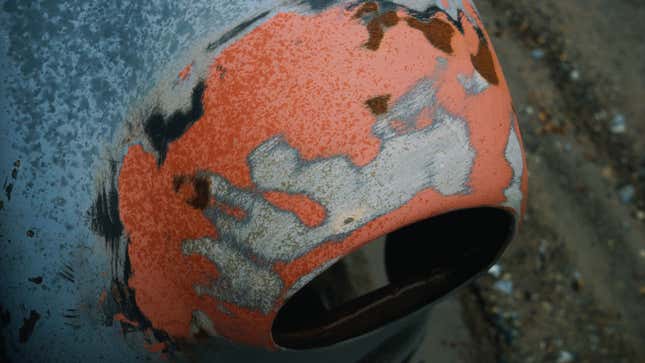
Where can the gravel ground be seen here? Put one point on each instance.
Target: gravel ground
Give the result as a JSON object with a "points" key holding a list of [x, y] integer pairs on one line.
{"points": [[571, 287]]}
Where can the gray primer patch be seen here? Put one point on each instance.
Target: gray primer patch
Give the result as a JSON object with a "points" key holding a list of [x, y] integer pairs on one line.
{"points": [[201, 322], [513, 155], [438, 156], [241, 281], [474, 84]]}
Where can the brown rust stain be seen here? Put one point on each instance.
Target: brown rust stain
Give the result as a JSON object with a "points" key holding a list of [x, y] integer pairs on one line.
{"points": [[378, 104], [376, 31], [389, 18], [483, 63], [376, 34], [202, 193], [369, 7], [199, 196], [438, 32]]}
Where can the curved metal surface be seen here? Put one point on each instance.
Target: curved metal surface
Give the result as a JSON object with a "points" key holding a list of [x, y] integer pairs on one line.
{"points": [[86, 87]]}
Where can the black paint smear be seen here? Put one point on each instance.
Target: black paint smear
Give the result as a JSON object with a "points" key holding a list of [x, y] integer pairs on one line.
{"points": [[28, 326], [5, 319], [235, 31], [67, 273], [318, 5], [8, 189], [162, 130], [36, 280], [123, 301], [104, 214]]}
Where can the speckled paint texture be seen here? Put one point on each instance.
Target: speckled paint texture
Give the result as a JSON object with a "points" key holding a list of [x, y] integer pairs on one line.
{"points": [[189, 165]]}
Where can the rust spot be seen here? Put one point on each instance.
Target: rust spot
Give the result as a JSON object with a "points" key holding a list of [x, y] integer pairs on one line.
{"points": [[178, 181], [375, 28], [483, 63], [389, 18], [378, 104], [202, 193], [437, 31], [366, 8], [198, 196], [376, 34]]}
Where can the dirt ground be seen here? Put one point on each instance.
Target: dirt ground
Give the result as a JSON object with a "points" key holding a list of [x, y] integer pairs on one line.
{"points": [[571, 287]]}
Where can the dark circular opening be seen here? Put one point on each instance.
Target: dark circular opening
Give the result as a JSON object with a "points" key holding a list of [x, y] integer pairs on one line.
{"points": [[392, 277]]}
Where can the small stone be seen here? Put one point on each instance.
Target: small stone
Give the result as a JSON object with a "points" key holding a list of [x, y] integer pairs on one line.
{"points": [[618, 124], [640, 215], [574, 75], [495, 270], [547, 306], [529, 110], [504, 286], [577, 283], [642, 253], [565, 357], [600, 115], [537, 54], [626, 193], [642, 290], [607, 172]]}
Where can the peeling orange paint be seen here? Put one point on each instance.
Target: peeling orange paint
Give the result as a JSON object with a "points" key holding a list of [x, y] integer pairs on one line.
{"points": [[123, 319], [185, 72], [306, 78]]}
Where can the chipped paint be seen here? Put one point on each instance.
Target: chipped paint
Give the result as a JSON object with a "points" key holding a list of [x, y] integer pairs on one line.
{"points": [[372, 156], [515, 156]]}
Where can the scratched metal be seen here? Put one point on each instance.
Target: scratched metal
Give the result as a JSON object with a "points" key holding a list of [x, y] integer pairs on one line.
{"points": [[73, 73]]}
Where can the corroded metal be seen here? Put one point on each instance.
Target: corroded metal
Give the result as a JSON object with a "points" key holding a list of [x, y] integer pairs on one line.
{"points": [[186, 179]]}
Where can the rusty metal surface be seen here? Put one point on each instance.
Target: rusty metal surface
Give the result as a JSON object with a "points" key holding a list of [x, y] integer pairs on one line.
{"points": [[96, 106]]}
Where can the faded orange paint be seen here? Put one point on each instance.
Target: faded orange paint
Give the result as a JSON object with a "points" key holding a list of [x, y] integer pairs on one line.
{"points": [[185, 73], [123, 319], [155, 348], [306, 78]]}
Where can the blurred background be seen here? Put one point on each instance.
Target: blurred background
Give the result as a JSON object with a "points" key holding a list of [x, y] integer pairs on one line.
{"points": [[571, 287]]}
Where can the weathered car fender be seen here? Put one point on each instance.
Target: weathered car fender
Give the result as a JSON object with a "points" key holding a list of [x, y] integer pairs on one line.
{"points": [[176, 174]]}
